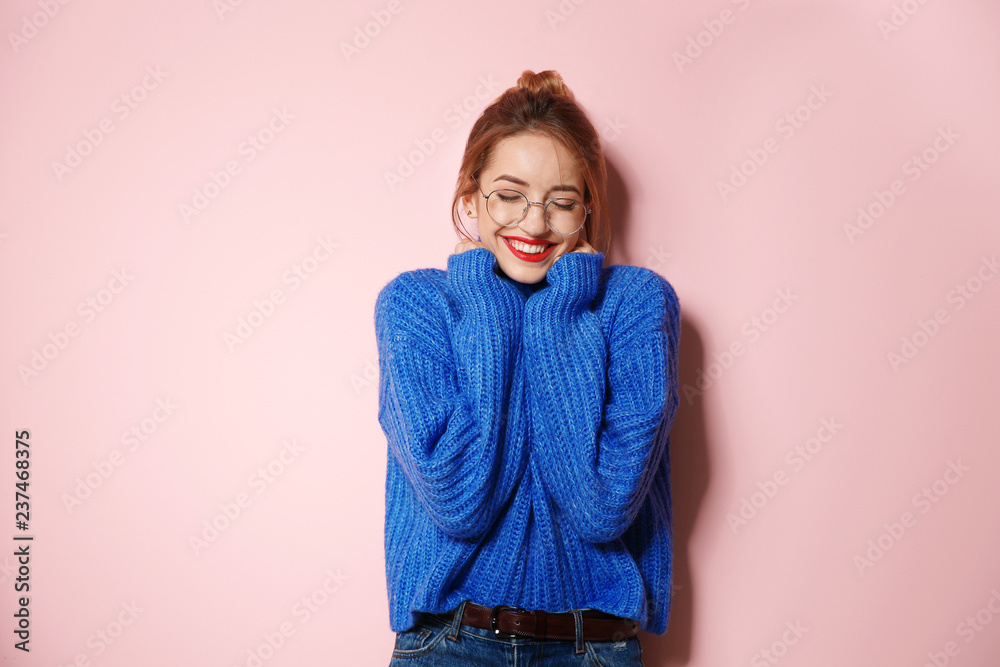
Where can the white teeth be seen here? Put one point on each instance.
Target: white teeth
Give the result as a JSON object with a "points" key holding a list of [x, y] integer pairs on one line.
{"points": [[527, 248]]}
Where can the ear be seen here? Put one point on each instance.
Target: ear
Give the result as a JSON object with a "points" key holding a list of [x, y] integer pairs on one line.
{"points": [[469, 203]]}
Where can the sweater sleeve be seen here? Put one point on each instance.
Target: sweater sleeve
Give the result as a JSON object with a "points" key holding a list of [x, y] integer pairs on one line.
{"points": [[601, 408], [444, 385]]}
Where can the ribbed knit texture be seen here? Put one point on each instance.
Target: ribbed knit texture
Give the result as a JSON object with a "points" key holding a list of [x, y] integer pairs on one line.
{"points": [[528, 438]]}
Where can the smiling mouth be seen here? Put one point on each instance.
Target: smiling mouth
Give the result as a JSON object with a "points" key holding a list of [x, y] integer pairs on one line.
{"points": [[535, 251]]}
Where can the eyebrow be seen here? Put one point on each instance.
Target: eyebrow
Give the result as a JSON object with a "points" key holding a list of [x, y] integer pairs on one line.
{"points": [[562, 187]]}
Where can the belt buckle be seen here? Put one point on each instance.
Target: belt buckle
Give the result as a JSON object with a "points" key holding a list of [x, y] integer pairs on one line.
{"points": [[494, 613]]}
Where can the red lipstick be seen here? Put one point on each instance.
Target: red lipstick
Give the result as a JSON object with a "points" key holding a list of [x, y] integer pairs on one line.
{"points": [[529, 257]]}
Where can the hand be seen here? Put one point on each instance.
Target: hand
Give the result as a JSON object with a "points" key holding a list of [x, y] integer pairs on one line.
{"points": [[467, 244], [583, 246]]}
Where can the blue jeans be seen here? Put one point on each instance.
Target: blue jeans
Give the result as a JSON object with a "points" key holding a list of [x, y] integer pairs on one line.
{"points": [[438, 640]]}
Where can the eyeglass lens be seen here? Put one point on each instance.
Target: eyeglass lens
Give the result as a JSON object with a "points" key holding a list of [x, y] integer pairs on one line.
{"points": [[508, 207]]}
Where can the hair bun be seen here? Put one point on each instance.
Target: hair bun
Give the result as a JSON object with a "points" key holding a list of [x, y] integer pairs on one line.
{"points": [[548, 80]]}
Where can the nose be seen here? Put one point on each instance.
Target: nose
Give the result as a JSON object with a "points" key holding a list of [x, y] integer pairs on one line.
{"points": [[534, 221]]}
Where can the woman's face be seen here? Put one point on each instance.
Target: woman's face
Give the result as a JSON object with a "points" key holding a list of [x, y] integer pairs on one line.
{"points": [[542, 168]]}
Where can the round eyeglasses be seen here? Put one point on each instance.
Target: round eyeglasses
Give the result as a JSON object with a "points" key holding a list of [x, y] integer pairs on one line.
{"points": [[563, 215]]}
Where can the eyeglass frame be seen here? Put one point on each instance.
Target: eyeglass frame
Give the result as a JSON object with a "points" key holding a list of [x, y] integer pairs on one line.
{"points": [[545, 209]]}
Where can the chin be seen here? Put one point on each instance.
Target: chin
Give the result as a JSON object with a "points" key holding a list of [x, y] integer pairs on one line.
{"points": [[525, 274]]}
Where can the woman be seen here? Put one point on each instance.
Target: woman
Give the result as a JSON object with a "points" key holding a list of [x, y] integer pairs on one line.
{"points": [[527, 395]]}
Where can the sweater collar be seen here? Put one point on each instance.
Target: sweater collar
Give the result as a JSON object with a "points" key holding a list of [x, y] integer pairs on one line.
{"points": [[526, 289]]}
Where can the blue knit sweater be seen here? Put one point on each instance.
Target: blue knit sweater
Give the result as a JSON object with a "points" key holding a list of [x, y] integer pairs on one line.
{"points": [[528, 437]]}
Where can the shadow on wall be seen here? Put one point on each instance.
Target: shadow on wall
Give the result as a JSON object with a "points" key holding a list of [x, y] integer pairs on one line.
{"points": [[689, 472], [689, 475], [618, 210]]}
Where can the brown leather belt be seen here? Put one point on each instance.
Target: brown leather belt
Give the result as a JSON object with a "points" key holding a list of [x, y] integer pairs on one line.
{"points": [[510, 622]]}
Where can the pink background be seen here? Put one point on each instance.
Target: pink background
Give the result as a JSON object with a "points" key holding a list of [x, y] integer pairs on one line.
{"points": [[113, 516]]}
